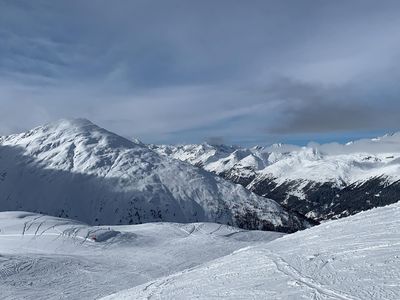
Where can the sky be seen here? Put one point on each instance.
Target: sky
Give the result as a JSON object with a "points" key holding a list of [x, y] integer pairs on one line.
{"points": [[232, 71]]}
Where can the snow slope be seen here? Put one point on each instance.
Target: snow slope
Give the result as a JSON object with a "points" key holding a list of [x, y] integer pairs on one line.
{"points": [[75, 169], [351, 258], [44, 257]]}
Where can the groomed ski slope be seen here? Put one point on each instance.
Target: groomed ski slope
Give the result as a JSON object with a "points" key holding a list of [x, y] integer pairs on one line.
{"points": [[43, 257], [353, 258]]}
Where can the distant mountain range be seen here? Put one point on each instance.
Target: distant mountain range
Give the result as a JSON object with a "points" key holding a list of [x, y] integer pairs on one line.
{"points": [[320, 181], [75, 169]]}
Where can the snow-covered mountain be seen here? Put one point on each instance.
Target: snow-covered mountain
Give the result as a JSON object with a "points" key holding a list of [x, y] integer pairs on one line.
{"points": [[320, 181], [73, 168]]}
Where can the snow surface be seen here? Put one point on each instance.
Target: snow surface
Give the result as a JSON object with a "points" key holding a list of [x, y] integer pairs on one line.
{"points": [[75, 169], [353, 258], [44, 257]]}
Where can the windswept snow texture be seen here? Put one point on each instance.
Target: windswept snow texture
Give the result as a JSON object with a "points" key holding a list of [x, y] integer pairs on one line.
{"points": [[320, 181], [74, 169], [352, 258], [44, 257]]}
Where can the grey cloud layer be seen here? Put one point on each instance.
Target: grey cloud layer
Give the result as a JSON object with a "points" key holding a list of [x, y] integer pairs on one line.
{"points": [[316, 108], [182, 71]]}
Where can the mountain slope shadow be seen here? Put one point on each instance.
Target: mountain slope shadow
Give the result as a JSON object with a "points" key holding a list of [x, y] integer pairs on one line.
{"points": [[28, 185], [31, 185]]}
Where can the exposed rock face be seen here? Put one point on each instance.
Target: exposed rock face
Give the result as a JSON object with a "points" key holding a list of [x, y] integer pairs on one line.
{"points": [[321, 201]]}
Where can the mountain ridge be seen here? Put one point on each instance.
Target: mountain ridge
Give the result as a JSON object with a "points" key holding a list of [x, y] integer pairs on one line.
{"points": [[316, 180], [73, 168]]}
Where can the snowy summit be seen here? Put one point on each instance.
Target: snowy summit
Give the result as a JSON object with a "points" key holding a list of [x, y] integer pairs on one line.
{"points": [[75, 169]]}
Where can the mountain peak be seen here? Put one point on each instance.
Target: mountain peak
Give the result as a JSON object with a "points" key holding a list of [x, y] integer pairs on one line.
{"points": [[67, 123], [72, 167], [61, 135]]}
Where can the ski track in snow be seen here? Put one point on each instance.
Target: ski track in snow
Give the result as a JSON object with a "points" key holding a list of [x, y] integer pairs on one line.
{"points": [[354, 258], [43, 257], [319, 289], [350, 259]]}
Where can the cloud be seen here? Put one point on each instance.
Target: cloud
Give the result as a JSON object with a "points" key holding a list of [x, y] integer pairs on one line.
{"points": [[179, 71], [315, 108], [215, 140]]}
